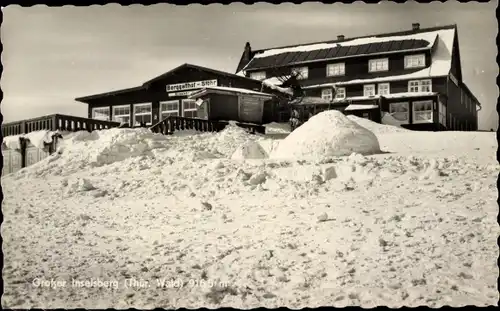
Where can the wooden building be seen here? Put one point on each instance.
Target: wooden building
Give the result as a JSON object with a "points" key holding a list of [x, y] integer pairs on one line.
{"points": [[411, 77], [225, 103], [167, 95]]}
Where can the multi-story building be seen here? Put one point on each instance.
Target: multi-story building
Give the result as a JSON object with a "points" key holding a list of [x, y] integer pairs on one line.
{"points": [[412, 78]]}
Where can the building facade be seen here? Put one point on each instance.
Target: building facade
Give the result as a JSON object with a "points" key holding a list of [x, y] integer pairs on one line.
{"points": [[413, 78], [163, 96]]}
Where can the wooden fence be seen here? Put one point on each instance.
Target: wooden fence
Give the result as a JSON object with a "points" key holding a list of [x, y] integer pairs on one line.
{"points": [[26, 155], [172, 123], [56, 122]]}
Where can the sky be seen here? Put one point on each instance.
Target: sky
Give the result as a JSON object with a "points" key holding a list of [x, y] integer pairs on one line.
{"points": [[54, 54]]}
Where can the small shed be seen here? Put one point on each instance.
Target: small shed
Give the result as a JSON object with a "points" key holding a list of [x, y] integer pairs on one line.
{"points": [[226, 103]]}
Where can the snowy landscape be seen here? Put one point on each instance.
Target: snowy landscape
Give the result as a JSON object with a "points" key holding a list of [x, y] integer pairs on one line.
{"points": [[343, 211]]}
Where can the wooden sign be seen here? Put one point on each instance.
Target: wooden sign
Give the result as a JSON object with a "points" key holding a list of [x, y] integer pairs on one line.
{"points": [[191, 85]]}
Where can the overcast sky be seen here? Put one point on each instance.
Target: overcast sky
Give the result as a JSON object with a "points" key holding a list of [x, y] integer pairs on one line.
{"points": [[52, 55]]}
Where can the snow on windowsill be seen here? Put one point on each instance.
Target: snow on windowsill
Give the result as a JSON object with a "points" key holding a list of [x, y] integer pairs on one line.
{"points": [[360, 107]]}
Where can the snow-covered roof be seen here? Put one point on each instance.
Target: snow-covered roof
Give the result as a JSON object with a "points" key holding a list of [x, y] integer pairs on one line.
{"points": [[395, 95], [430, 37], [360, 107], [227, 89], [409, 94], [441, 57], [273, 81], [440, 65], [310, 100]]}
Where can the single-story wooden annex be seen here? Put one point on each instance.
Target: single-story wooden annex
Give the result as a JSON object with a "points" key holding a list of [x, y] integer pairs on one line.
{"points": [[169, 95]]}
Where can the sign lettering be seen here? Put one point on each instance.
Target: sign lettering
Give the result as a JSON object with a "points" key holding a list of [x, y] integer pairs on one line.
{"points": [[191, 85], [185, 93]]}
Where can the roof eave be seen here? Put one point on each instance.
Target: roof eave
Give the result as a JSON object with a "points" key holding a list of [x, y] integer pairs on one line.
{"points": [[85, 99], [342, 57], [389, 34], [227, 92], [157, 78]]}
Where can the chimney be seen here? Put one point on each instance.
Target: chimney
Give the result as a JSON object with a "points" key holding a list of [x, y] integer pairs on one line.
{"points": [[415, 26], [340, 37], [247, 52]]}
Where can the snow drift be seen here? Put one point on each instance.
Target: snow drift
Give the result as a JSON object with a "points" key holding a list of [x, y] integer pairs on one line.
{"points": [[357, 230], [328, 133], [250, 150], [277, 128], [375, 127]]}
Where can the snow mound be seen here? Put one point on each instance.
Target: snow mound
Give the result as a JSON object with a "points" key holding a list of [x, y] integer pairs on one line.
{"points": [[326, 134], [377, 128], [12, 142], [84, 150], [277, 128], [40, 138], [250, 150], [228, 140], [37, 139]]}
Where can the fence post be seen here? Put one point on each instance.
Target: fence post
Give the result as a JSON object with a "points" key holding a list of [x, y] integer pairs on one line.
{"points": [[23, 152]]}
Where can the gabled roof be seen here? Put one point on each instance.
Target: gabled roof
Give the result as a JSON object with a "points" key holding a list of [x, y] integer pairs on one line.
{"points": [[329, 52], [411, 40], [146, 84], [186, 65], [117, 92]]}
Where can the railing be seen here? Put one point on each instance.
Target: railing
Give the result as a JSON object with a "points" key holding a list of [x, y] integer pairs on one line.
{"points": [[172, 123], [168, 125], [56, 122]]}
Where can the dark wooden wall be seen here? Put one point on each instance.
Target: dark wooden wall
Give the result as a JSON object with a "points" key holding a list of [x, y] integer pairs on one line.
{"points": [[355, 68], [156, 91], [223, 107]]}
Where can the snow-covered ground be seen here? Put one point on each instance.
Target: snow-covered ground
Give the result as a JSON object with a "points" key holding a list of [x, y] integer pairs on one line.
{"points": [[207, 220]]}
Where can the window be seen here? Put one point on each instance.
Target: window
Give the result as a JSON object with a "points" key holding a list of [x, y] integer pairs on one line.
{"points": [[426, 86], [422, 111], [399, 111], [169, 108], [142, 114], [189, 108], [259, 75], [335, 69], [420, 86], [340, 93], [414, 61], [369, 90], [101, 113], [384, 89], [327, 94], [381, 64], [302, 72], [366, 115], [121, 113], [442, 113]]}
